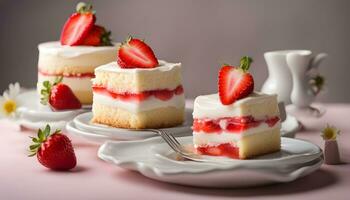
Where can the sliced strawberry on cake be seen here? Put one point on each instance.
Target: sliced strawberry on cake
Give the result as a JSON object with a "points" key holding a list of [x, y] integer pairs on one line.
{"points": [[135, 53], [235, 82], [78, 25], [98, 36]]}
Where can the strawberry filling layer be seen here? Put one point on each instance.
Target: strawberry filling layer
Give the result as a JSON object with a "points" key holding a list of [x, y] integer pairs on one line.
{"points": [[163, 94], [80, 75], [230, 124], [225, 149]]}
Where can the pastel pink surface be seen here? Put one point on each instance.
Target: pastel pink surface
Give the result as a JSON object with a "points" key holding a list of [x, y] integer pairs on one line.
{"points": [[24, 178]]}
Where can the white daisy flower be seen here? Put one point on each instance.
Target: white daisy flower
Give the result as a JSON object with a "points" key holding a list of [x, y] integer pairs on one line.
{"points": [[8, 101]]}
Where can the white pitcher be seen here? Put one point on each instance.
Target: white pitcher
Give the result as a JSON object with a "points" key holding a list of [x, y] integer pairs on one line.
{"points": [[289, 75], [279, 80]]}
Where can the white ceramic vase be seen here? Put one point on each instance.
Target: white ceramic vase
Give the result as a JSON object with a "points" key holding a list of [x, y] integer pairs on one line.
{"points": [[289, 76], [279, 80]]}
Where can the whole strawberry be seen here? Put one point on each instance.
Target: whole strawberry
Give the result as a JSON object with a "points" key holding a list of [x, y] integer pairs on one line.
{"points": [[98, 36], [235, 82], [54, 151], [59, 96]]}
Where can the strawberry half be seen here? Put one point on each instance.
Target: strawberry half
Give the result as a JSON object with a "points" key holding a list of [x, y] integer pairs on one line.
{"points": [[98, 36], [134, 53], [59, 96], [78, 25], [54, 151], [235, 82]]}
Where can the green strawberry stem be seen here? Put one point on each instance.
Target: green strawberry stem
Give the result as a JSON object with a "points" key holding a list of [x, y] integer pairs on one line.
{"points": [[46, 91], [106, 39], [129, 38], [84, 8], [42, 137], [245, 63]]}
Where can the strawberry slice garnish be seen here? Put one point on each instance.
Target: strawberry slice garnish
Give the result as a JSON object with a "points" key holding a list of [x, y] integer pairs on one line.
{"points": [[235, 82], [54, 151], [135, 53], [78, 25], [59, 96], [98, 36]]}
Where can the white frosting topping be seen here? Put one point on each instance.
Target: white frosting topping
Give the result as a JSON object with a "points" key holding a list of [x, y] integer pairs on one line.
{"points": [[75, 83], [56, 49], [214, 139], [151, 103], [210, 106], [114, 67]]}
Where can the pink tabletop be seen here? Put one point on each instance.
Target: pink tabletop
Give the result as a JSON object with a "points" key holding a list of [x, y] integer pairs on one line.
{"points": [[24, 178]]}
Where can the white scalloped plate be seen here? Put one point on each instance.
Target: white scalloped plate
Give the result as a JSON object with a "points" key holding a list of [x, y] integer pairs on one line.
{"points": [[41, 124], [83, 123], [101, 138], [152, 159]]}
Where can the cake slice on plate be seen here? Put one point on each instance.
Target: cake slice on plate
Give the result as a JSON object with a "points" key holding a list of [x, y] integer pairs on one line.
{"points": [[237, 122], [138, 91]]}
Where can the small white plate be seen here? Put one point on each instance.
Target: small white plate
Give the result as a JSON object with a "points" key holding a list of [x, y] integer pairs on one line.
{"points": [[83, 122], [292, 152], [41, 124], [151, 158], [100, 138], [92, 137], [32, 110]]}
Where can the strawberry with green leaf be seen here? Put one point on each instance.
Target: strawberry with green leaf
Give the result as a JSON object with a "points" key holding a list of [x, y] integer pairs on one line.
{"points": [[80, 29], [98, 36], [78, 26], [53, 150], [59, 96], [235, 82]]}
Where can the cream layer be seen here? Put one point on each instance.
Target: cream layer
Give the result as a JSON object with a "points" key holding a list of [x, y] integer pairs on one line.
{"points": [[257, 105], [136, 80], [53, 55], [214, 139], [150, 103]]}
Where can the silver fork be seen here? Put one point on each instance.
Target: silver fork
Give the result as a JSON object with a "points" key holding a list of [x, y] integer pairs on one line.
{"points": [[177, 147]]}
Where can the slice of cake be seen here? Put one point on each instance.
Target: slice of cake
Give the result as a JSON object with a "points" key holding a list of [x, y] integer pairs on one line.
{"points": [[237, 122], [138, 91], [82, 48]]}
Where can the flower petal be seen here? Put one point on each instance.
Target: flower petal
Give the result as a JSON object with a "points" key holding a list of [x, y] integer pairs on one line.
{"points": [[13, 90], [6, 95]]}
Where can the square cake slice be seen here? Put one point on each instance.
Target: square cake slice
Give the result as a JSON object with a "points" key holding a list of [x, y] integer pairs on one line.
{"points": [[249, 127], [138, 98]]}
